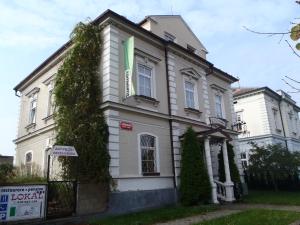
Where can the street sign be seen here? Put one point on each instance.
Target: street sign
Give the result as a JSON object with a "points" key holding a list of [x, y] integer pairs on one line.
{"points": [[126, 125], [62, 150]]}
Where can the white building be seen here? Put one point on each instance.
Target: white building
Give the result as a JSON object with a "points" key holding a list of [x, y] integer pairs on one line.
{"points": [[176, 87], [266, 117]]}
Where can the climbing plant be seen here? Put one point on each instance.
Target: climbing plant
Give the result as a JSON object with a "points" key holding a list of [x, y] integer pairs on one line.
{"points": [[79, 119], [194, 181]]}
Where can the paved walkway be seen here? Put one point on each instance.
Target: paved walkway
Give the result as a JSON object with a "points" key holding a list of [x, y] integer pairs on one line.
{"points": [[230, 209]]}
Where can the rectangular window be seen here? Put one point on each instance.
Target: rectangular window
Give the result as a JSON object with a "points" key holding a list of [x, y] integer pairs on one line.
{"points": [[190, 49], [145, 80], [275, 115], [239, 121], [218, 102], [244, 159], [32, 110], [169, 37], [189, 94], [50, 101], [148, 151]]}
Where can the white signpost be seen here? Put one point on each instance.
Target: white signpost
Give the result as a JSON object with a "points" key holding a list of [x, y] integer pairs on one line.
{"points": [[22, 202], [62, 150]]}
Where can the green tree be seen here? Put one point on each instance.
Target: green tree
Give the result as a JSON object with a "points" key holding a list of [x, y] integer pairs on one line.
{"points": [[195, 186], [273, 163], [79, 119], [234, 172]]}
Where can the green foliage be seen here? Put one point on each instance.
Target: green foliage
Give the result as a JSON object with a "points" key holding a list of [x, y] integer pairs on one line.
{"points": [[6, 173], [195, 186], [234, 172], [273, 163], [80, 121]]}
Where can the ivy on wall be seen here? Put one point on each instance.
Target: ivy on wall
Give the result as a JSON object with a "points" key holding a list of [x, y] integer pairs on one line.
{"points": [[79, 119]]}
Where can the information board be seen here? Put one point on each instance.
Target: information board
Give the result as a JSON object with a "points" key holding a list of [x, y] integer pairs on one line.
{"points": [[22, 202]]}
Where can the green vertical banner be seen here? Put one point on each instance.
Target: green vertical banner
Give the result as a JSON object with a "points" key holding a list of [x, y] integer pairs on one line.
{"points": [[128, 60]]}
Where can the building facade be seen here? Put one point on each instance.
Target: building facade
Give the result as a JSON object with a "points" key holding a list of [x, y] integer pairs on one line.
{"points": [[266, 117], [174, 87]]}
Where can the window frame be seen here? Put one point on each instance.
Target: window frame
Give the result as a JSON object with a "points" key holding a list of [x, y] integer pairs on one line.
{"points": [[195, 84], [33, 98], [150, 65], [27, 163], [157, 161], [50, 104], [221, 105]]}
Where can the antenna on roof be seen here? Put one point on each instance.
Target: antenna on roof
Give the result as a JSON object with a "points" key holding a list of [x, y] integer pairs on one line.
{"points": [[239, 85], [171, 2]]}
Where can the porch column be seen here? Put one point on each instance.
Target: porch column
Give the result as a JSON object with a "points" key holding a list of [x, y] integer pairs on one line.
{"points": [[210, 172], [228, 182]]}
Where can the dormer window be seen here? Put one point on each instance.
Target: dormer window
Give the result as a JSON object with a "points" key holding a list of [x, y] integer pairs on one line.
{"points": [[190, 49], [169, 37]]}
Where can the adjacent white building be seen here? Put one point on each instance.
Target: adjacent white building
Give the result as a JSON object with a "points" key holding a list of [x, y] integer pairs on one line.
{"points": [[266, 117]]}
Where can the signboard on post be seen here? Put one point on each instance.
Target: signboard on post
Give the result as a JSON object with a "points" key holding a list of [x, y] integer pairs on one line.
{"points": [[22, 202], [62, 150]]}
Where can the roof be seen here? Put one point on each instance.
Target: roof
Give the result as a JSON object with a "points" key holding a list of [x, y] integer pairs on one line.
{"points": [[243, 92], [107, 14], [180, 17]]}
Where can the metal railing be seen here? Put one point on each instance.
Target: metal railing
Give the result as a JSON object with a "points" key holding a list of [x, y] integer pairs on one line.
{"points": [[221, 190]]}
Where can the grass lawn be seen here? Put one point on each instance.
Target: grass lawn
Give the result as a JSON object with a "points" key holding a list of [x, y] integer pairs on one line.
{"points": [[272, 197], [155, 216], [256, 217]]}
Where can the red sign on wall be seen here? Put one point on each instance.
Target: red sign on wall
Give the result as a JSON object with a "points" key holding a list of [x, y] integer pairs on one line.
{"points": [[126, 125]]}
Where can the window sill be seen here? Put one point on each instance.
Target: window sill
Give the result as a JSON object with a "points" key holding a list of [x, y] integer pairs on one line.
{"points": [[48, 118], [143, 98], [30, 126], [151, 174], [193, 111]]}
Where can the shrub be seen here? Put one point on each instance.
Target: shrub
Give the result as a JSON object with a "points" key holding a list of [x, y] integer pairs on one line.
{"points": [[195, 186]]}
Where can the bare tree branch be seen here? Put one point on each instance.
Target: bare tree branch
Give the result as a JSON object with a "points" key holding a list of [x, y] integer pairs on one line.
{"points": [[292, 86], [292, 48], [296, 81], [267, 33]]}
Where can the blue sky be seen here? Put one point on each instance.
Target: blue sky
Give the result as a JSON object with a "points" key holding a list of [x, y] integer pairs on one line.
{"points": [[31, 30]]}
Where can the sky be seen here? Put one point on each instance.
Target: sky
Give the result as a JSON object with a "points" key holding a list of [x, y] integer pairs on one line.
{"points": [[31, 30]]}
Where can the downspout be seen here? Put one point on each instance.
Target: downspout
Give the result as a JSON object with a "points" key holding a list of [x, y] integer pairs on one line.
{"points": [[170, 116], [284, 134]]}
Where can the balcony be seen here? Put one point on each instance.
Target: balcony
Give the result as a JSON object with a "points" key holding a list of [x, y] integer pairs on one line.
{"points": [[216, 122]]}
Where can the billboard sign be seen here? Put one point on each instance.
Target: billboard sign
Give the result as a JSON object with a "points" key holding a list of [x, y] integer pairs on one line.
{"points": [[22, 202]]}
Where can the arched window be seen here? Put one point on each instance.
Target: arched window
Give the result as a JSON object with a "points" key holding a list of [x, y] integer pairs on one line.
{"points": [[28, 163], [148, 148]]}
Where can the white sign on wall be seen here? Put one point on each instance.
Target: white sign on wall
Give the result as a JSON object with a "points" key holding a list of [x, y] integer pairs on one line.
{"points": [[62, 150], [22, 202]]}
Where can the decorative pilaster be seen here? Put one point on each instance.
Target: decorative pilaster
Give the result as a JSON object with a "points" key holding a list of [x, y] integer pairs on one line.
{"points": [[176, 148], [206, 98], [172, 83], [210, 171], [228, 182]]}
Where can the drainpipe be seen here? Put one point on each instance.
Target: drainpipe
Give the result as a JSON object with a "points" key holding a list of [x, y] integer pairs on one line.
{"points": [[170, 117], [284, 134]]}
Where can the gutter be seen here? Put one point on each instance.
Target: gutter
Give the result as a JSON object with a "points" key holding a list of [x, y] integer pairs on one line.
{"points": [[170, 116], [284, 134]]}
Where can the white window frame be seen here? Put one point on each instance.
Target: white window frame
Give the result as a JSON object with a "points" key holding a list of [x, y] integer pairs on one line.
{"points": [[50, 107], [169, 37], [218, 94], [276, 119], [25, 161], [140, 152], [33, 98], [195, 83], [150, 65]]}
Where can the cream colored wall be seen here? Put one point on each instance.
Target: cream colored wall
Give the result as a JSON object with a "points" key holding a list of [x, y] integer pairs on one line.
{"points": [[42, 105], [226, 97], [37, 145], [175, 26], [181, 63], [254, 113], [287, 108], [159, 74], [129, 145]]}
